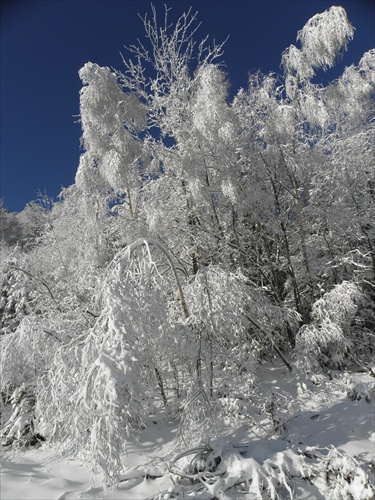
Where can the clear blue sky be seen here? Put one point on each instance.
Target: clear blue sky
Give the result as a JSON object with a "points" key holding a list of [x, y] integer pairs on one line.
{"points": [[45, 43]]}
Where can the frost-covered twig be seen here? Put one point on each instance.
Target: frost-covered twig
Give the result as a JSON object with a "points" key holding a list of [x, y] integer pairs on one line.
{"points": [[123, 261], [281, 355]]}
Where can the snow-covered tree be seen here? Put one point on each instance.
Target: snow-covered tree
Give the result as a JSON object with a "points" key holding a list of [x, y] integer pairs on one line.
{"points": [[202, 236]]}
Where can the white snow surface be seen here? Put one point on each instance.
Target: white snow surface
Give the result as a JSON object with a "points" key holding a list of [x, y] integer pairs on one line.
{"points": [[315, 423]]}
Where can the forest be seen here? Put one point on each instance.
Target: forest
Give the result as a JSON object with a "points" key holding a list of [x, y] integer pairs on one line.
{"points": [[208, 239]]}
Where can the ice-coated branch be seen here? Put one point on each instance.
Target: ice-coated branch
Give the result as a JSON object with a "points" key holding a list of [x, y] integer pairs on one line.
{"points": [[126, 258], [281, 355], [35, 278]]}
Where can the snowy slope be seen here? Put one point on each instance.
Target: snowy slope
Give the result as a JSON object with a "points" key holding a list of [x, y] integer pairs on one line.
{"points": [[315, 419]]}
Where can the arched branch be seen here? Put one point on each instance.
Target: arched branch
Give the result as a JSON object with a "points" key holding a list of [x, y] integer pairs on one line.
{"points": [[125, 261], [35, 278]]}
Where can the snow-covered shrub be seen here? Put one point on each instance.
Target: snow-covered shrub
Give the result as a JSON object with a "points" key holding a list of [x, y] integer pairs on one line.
{"points": [[217, 302], [238, 323], [318, 345], [327, 340], [201, 418], [339, 305], [357, 388], [220, 469], [238, 403], [345, 478], [232, 324], [17, 295], [364, 326], [25, 354], [19, 430], [273, 408]]}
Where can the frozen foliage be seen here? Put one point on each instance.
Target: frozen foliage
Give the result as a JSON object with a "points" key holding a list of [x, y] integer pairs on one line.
{"points": [[328, 339], [220, 469], [204, 237], [345, 477], [18, 294], [323, 39], [19, 429], [357, 389], [109, 119], [26, 354], [324, 36], [339, 305]]}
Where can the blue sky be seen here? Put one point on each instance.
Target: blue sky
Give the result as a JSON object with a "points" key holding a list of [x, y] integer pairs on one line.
{"points": [[45, 43]]}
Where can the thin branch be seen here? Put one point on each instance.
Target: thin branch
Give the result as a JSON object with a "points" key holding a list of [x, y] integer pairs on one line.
{"points": [[281, 355], [53, 335], [35, 278]]}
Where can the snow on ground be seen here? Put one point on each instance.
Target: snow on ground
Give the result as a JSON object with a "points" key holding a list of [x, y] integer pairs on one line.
{"points": [[42, 474], [331, 418]]}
